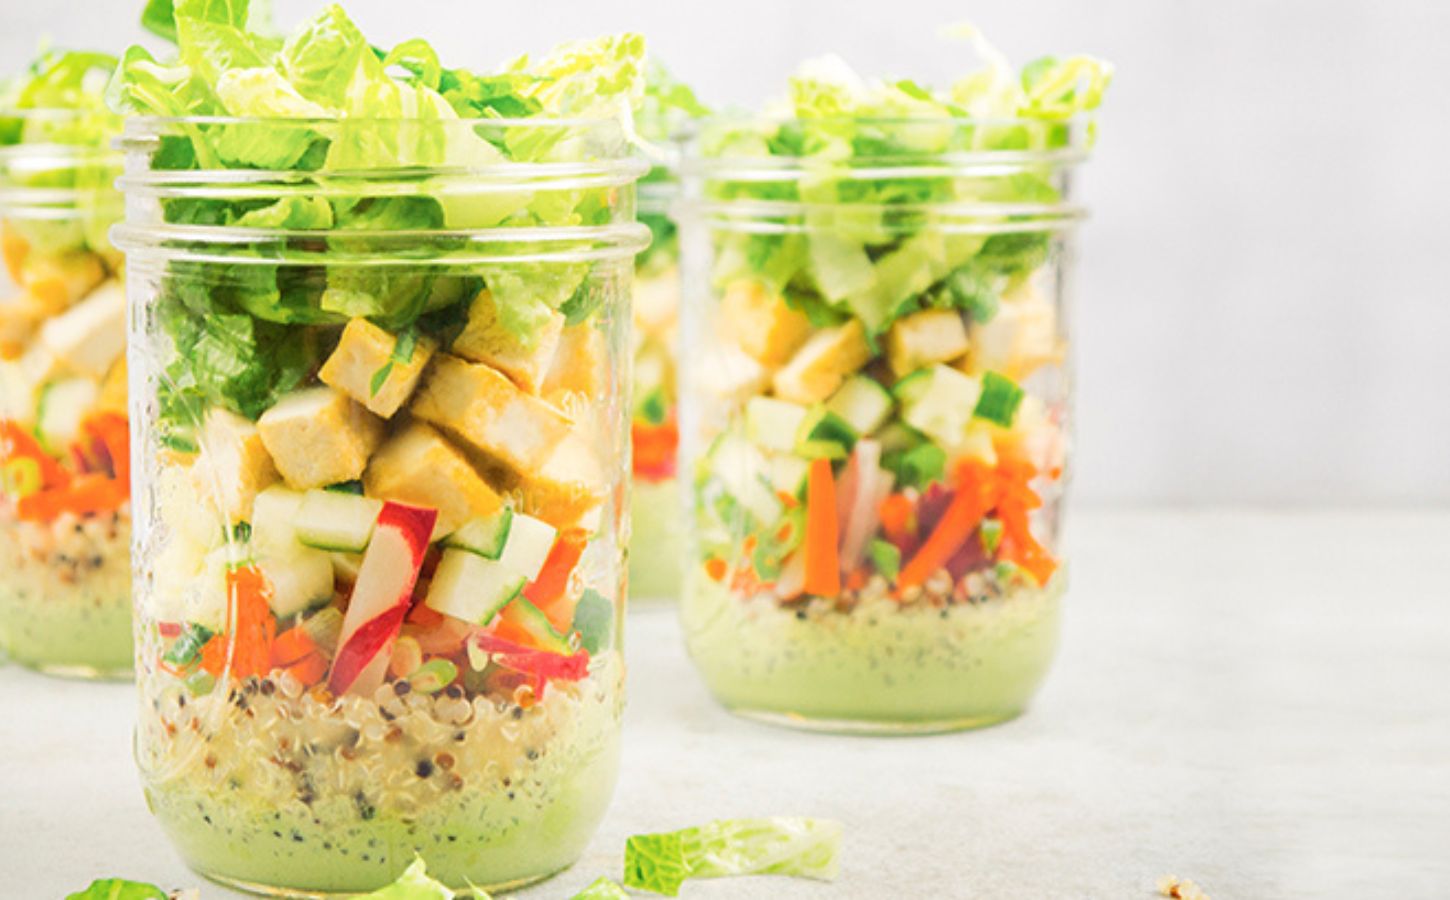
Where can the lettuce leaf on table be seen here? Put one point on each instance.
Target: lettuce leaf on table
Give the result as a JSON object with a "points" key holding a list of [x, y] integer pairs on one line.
{"points": [[802, 848]]}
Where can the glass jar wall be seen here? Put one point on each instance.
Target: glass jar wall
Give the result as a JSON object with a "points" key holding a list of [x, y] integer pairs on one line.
{"points": [[382, 456], [876, 417], [65, 521]]}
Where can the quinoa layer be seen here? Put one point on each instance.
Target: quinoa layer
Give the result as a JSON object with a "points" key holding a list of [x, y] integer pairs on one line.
{"points": [[656, 542], [922, 666], [272, 786], [65, 593]]}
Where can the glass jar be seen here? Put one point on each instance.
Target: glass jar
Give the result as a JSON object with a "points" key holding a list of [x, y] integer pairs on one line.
{"points": [[654, 571], [876, 417], [381, 443], [65, 520]]}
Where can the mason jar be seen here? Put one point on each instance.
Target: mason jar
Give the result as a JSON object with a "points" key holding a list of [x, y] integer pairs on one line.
{"points": [[382, 440], [65, 518], [654, 569], [876, 405]]}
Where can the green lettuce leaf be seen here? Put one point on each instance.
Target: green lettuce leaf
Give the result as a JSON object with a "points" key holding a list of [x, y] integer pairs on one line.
{"points": [[415, 884], [602, 889], [803, 848]]}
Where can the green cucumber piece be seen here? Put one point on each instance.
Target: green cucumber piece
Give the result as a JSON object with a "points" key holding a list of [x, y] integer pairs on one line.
{"points": [[274, 521], [63, 407], [943, 406], [862, 403], [528, 545], [999, 400], [823, 433], [331, 520], [773, 424], [469, 587], [744, 472], [531, 619], [899, 437], [484, 536]]}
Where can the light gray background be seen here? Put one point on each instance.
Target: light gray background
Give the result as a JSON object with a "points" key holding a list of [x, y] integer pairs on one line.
{"points": [[1260, 313]]}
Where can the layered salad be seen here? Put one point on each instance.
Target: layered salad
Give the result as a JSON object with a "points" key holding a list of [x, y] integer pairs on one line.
{"points": [[880, 432], [65, 521], [379, 541], [654, 571]]}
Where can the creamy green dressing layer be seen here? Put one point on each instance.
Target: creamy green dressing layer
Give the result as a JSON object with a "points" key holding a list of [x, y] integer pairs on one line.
{"points": [[880, 666], [657, 544]]}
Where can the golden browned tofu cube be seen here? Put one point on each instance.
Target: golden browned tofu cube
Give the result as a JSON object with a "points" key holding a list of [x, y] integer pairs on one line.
{"points": [[113, 390], [317, 437], [419, 466], [525, 359], [364, 351], [1018, 340], [924, 339], [20, 316], [61, 281], [820, 366], [91, 335], [761, 323], [477, 405], [232, 467], [580, 366], [569, 488]]}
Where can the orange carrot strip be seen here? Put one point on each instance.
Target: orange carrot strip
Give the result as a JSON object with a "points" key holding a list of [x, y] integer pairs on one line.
{"points": [[87, 495], [976, 493], [309, 670], [254, 626], [895, 514], [292, 646], [111, 430], [823, 565]]}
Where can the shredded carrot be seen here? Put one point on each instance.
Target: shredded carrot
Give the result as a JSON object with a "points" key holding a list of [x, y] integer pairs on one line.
{"points": [[975, 495], [896, 513], [550, 591], [1018, 543], [654, 449], [292, 645], [715, 567], [823, 565], [254, 627], [309, 670], [86, 495], [787, 499], [214, 655]]}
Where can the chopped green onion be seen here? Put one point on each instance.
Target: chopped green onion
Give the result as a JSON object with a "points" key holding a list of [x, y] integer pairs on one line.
{"points": [[22, 477], [991, 535], [433, 676], [999, 401], [186, 649]]}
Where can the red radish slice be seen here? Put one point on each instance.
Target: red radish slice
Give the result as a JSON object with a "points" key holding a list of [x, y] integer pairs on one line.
{"points": [[792, 581], [869, 485], [380, 600]]}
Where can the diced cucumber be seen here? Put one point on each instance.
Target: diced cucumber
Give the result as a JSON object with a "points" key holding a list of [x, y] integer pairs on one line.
{"points": [[823, 433], [788, 474], [773, 424], [274, 520], [484, 536], [346, 565], [528, 545], [300, 580], [745, 473], [999, 400], [331, 520], [469, 587], [863, 403], [529, 618], [63, 407], [943, 406], [908, 389], [899, 437]]}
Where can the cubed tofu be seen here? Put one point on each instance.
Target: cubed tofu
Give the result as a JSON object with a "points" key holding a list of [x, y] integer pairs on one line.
{"points": [[761, 323], [580, 366], [1018, 340], [924, 339], [487, 340], [60, 282], [478, 406], [568, 489], [233, 466], [20, 317], [91, 335], [365, 350], [318, 436], [113, 390], [820, 367], [730, 375], [419, 466], [657, 303]]}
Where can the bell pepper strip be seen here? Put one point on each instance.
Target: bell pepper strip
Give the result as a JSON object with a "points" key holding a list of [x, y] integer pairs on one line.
{"points": [[654, 449], [112, 431], [86, 495], [975, 496], [528, 661], [550, 591], [17, 443], [823, 565]]}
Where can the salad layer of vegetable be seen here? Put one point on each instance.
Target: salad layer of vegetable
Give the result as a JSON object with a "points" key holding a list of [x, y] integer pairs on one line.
{"points": [[881, 387], [654, 573], [64, 456], [382, 474]]}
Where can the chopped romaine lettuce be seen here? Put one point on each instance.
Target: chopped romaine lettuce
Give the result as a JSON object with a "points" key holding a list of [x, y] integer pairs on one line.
{"points": [[119, 889], [602, 889], [803, 848]]}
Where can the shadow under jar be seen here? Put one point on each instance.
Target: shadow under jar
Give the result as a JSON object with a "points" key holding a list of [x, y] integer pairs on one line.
{"points": [[65, 520], [382, 446], [876, 412]]}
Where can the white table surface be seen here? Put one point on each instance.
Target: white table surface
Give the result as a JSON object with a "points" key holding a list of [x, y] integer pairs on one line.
{"points": [[1256, 701]]}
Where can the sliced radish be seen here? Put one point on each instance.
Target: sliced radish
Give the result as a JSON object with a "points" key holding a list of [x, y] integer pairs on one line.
{"points": [[381, 597], [864, 484]]}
